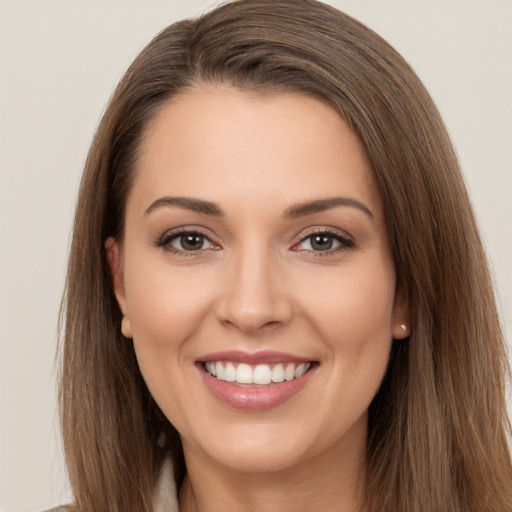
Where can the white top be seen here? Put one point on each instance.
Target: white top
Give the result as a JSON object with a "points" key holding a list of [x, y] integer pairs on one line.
{"points": [[166, 498]]}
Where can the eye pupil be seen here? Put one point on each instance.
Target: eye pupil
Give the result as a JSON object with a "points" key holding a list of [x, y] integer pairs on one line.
{"points": [[192, 242], [321, 242]]}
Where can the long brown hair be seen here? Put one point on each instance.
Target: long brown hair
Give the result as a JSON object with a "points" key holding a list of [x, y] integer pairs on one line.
{"points": [[438, 428]]}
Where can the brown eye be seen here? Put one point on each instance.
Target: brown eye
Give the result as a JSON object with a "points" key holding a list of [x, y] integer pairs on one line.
{"points": [[187, 241], [324, 241], [321, 242]]}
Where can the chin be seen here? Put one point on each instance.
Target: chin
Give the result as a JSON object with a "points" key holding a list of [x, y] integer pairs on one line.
{"points": [[268, 447], [261, 455]]}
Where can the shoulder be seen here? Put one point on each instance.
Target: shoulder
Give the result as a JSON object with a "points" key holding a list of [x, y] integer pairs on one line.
{"points": [[166, 499]]}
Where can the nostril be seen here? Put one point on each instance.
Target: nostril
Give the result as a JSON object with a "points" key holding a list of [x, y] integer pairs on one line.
{"points": [[252, 312]]}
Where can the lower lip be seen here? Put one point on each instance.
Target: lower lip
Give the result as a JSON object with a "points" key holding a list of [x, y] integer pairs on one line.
{"points": [[255, 398]]}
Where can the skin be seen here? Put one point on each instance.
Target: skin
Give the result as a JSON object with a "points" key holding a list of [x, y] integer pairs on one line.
{"points": [[256, 284]]}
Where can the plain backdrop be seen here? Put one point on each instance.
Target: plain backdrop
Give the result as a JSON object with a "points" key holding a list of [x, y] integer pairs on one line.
{"points": [[59, 62]]}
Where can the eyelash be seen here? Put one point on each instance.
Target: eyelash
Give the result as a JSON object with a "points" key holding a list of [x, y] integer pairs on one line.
{"points": [[344, 241], [165, 242]]}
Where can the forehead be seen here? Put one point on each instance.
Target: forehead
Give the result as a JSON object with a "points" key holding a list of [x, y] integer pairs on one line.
{"points": [[219, 143]]}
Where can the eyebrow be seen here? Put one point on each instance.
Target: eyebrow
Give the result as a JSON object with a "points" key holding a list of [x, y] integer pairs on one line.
{"points": [[320, 205], [195, 205], [293, 212]]}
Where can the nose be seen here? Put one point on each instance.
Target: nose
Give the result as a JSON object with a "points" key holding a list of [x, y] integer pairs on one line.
{"points": [[253, 294]]}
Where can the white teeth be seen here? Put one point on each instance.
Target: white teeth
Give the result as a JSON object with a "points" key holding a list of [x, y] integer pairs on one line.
{"points": [[230, 372], [278, 373], [301, 370], [244, 374], [210, 368], [289, 373], [219, 370], [260, 374]]}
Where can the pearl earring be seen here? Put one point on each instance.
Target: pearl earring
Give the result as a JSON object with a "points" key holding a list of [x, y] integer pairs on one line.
{"points": [[403, 327]]}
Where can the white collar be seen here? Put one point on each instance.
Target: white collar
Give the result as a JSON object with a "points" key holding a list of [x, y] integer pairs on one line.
{"points": [[166, 499]]}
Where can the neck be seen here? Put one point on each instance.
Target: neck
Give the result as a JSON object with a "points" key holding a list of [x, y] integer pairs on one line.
{"points": [[330, 481]]}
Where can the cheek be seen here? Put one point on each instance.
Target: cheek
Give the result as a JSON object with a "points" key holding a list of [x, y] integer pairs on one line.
{"points": [[165, 302], [354, 321], [166, 306], [350, 307], [353, 318]]}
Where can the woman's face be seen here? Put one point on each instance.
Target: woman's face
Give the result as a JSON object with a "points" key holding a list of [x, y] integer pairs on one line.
{"points": [[255, 249]]}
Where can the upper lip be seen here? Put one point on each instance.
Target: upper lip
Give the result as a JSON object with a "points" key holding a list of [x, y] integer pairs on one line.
{"points": [[261, 357]]}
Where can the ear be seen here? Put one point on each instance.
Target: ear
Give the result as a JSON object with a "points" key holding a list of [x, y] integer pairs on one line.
{"points": [[401, 326], [115, 266]]}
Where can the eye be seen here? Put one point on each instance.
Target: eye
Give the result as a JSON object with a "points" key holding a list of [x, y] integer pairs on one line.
{"points": [[324, 241], [186, 241]]}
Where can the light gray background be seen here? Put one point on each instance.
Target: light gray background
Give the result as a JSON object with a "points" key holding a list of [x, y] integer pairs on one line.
{"points": [[59, 62]]}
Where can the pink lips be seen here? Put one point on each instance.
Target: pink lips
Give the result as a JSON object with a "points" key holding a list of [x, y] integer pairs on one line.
{"points": [[253, 398]]}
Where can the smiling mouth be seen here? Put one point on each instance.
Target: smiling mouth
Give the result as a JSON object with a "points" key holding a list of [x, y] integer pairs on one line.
{"points": [[256, 375], [255, 382]]}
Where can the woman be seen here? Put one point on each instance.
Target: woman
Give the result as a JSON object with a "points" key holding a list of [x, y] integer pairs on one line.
{"points": [[276, 287]]}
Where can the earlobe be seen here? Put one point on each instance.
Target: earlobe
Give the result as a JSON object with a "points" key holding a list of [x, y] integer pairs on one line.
{"points": [[126, 327], [116, 273]]}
